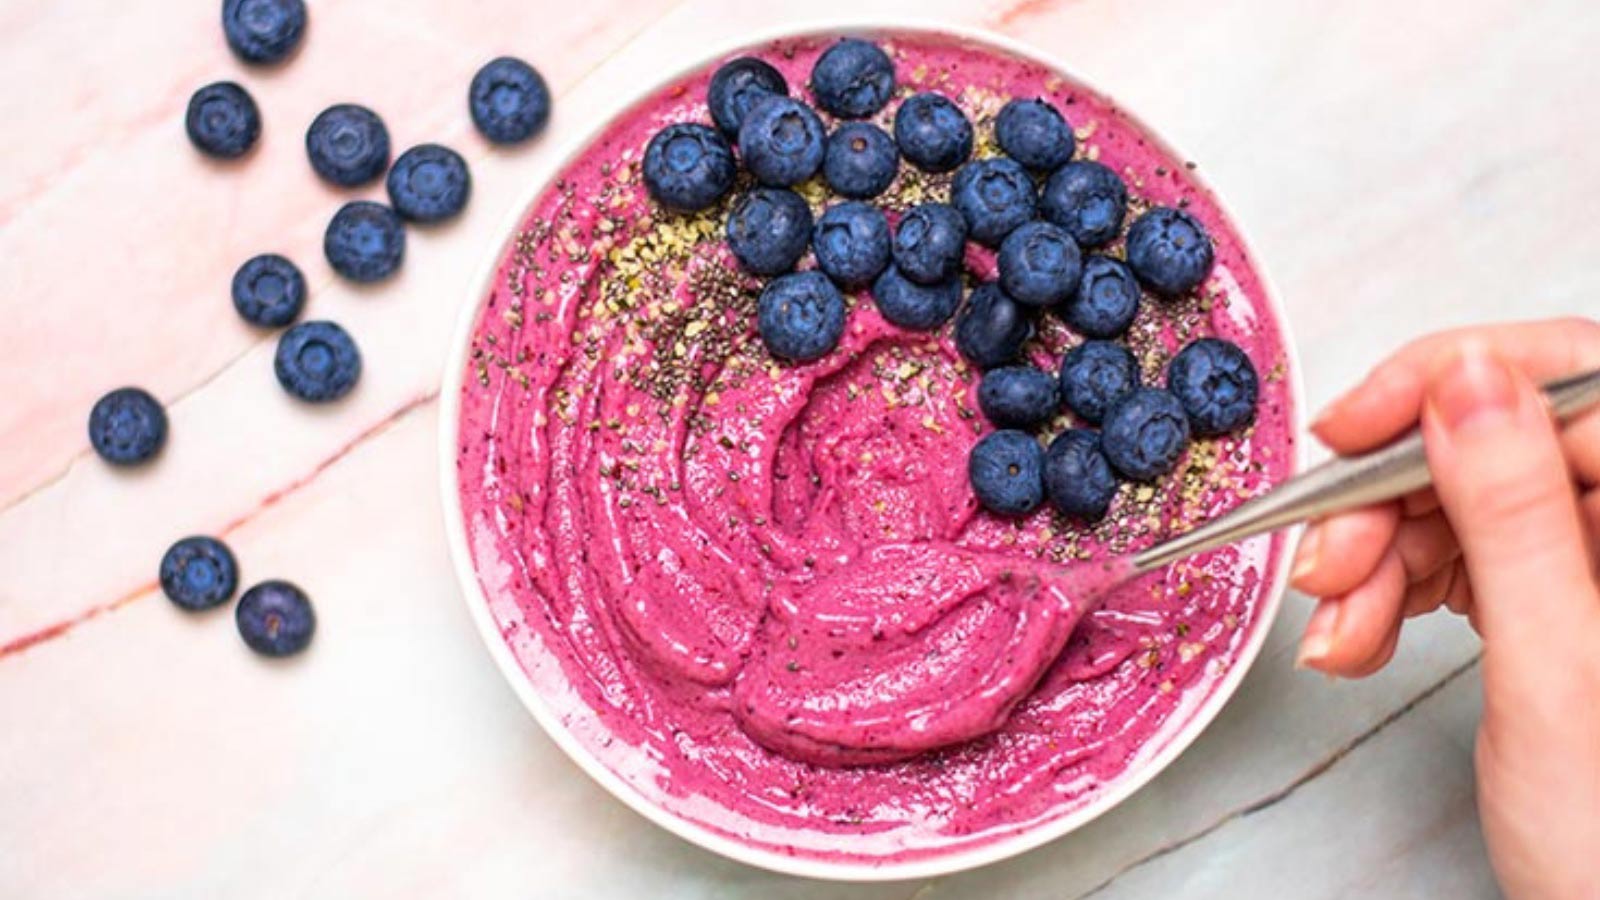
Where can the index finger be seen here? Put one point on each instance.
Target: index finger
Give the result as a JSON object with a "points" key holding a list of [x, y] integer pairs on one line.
{"points": [[1389, 400]]}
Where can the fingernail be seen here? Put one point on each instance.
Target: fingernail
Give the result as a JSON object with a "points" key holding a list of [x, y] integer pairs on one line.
{"points": [[1318, 640], [1305, 558], [1327, 411], [1475, 391]]}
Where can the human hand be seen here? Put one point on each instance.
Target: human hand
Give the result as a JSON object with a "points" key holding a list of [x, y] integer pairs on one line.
{"points": [[1508, 537]]}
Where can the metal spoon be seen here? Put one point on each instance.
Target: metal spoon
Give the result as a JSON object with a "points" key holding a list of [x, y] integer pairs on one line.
{"points": [[823, 715], [1344, 483]]}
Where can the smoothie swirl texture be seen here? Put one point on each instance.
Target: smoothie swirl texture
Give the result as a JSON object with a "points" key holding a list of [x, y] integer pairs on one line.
{"points": [[762, 593]]}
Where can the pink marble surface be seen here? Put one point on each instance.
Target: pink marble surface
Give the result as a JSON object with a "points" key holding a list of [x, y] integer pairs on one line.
{"points": [[1401, 166]]}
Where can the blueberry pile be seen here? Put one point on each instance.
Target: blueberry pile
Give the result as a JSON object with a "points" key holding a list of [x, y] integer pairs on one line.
{"points": [[1054, 223], [347, 146]]}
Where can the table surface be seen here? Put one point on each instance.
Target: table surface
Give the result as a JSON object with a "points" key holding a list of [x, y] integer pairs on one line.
{"points": [[1402, 166]]}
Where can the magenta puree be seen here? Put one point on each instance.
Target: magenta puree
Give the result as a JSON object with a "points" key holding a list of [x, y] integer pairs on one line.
{"points": [[764, 595]]}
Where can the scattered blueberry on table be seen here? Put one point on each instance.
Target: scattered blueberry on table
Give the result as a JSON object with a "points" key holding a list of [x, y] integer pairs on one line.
{"points": [[1169, 250], [1094, 376], [269, 291], [198, 573], [1019, 396], [782, 142], [348, 145], [262, 32], [429, 183], [1006, 468], [1088, 200], [1035, 134], [317, 362], [769, 230], [1217, 385], [1078, 478], [800, 316], [688, 167], [851, 243], [364, 241], [996, 196], [992, 327], [737, 86], [1105, 301], [127, 426], [853, 79], [914, 306], [275, 618], [222, 120], [1145, 433], [933, 133], [509, 101], [930, 243], [860, 160], [1039, 264]]}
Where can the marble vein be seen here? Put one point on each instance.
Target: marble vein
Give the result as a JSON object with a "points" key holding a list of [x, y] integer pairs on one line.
{"points": [[1319, 768], [64, 626]]}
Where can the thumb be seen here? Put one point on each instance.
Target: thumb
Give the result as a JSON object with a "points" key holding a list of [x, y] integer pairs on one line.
{"points": [[1505, 487]]}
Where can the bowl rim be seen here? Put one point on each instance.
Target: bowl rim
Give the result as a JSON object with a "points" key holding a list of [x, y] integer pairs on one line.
{"points": [[1028, 837]]}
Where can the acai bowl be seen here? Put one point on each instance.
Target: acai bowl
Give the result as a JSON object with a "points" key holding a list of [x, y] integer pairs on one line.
{"points": [[642, 499]]}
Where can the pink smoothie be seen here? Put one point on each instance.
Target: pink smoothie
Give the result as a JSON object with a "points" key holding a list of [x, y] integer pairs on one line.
{"points": [[764, 595]]}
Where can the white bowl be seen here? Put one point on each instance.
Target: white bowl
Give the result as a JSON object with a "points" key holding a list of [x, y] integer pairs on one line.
{"points": [[1174, 739]]}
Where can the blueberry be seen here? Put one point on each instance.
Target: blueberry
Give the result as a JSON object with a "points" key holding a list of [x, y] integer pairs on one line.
{"points": [[429, 183], [1144, 434], [995, 196], [269, 291], [1006, 469], [769, 230], [1039, 264], [1094, 376], [1217, 385], [860, 161], [800, 316], [127, 426], [688, 167], [853, 79], [365, 241], [1077, 477], [1018, 396], [348, 145], [263, 31], [275, 619], [509, 101], [317, 362], [198, 573], [737, 86], [222, 120], [933, 133], [930, 243], [920, 307], [1169, 250], [782, 142], [1033, 133], [1106, 300], [992, 327], [851, 242], [1088, 200]]}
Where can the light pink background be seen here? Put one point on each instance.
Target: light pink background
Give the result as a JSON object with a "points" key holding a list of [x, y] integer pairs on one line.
{"points": [[1401, 166]]}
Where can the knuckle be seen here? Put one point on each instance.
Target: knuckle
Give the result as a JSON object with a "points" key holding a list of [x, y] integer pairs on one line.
{"points": [[1511, 502]]}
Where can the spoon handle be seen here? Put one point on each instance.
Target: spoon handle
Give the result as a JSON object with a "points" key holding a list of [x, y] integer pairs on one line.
{"points": [[1344, 483]]}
